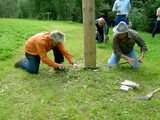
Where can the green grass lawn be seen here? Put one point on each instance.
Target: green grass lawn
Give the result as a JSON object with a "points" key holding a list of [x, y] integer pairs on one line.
{"points": [[74, 94]]}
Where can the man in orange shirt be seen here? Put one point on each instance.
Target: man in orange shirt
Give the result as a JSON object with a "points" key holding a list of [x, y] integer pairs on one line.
{"points": [[36, 49]]}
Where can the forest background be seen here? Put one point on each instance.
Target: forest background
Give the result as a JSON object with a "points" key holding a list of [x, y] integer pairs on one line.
{"points": [[143, 12]]}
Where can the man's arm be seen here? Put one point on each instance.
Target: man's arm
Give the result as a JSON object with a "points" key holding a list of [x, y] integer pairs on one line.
{"points": [[158, 12], [127, 16], [141, 43], [141, 57], [105, 37], [64, 51], [105, 30], [129, 9], [67, 55], [114, 9], [130, 60]]}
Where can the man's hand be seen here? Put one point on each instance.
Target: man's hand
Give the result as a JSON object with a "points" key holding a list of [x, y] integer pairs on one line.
{"points": [[61, 66], [97, 32], [127, 16], [118, 11], [131, 61], [75, 66], [140, 59]]}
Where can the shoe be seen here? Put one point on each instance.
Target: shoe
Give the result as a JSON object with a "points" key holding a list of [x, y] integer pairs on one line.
{"points": [[18, 63]]}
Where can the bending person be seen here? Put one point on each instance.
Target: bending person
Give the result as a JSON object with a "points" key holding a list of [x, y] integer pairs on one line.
{"points": [[123, 42], [36, 49], [102, 30]]}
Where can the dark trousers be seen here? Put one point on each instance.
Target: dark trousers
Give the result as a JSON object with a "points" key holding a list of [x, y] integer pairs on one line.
{"points": [[32, 65], [99, 38], [120, 18], [156, 28]]}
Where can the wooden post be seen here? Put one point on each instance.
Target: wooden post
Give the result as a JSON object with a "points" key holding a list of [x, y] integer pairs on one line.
{"points": [[48, 14], [89, 33]]}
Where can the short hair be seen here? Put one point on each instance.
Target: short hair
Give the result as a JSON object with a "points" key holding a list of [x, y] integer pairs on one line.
{"points": [[57, 36]]}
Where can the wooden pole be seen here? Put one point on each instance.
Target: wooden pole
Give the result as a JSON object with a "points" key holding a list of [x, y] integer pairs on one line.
{"points": [[89, 33], [48, 14]]}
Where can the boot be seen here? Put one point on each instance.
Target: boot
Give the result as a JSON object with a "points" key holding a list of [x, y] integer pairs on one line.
{"points": [[18, 63]]}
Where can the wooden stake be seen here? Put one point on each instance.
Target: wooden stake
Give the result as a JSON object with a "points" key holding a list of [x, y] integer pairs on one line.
{"points": [[89, 33]]}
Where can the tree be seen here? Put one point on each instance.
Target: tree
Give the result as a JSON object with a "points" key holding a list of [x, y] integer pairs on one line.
{"points": [[8, 8]]}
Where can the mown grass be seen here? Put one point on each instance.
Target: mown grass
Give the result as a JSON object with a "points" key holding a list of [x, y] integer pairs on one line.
{"points": [[74, 94]]}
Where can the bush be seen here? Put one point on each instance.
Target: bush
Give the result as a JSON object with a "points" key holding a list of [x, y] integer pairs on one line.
{"points": [[139, 19]]}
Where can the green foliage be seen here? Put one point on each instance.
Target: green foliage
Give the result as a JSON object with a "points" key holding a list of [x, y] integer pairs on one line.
{"points": [[143, 13], [8, 8], [75, 94], [104, 9], [138, 20], [152, 14]]}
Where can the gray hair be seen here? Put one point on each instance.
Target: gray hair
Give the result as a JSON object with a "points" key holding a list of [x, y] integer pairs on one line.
{"points": [[57, 36]]}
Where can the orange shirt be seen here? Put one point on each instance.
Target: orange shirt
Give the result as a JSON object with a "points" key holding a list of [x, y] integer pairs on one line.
{"points": [[40, 44]]}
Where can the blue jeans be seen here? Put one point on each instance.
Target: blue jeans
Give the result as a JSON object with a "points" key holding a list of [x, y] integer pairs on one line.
{"points": [[32, 65], [155, 28], [120, 18], [114, 60]]}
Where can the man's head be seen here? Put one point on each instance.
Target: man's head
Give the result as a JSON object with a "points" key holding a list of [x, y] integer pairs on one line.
{"points": [[101, 22], [121, 30], [57, 36]]}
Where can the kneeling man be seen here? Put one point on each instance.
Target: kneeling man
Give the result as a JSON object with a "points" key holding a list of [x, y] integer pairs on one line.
{"points": [[123, 42], [36, 49]]}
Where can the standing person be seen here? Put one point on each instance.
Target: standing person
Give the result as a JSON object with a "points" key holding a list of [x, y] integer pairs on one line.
{"points": [[36, 49], [123, 42], [102, 30], [157, 23], [123, 9]]}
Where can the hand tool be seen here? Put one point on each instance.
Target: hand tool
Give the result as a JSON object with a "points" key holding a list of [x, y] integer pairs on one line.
{"points": [[105, 66], [147, 97]]}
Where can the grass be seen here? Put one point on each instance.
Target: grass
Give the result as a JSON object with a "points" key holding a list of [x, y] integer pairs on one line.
{"points": [[74, 94]]}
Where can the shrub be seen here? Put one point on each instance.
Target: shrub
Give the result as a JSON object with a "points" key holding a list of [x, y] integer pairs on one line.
{"points": [[138, 19]]}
